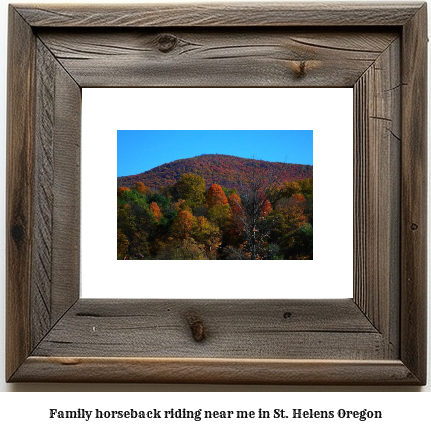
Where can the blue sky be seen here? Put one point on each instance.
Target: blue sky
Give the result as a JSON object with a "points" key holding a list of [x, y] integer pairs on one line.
{"points": [[141, 150]]}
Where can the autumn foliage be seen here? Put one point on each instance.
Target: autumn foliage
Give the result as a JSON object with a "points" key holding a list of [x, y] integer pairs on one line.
{"points": [[155, 210], [256, 219], [266, 208], [141, 188], [216, 169], [182, 225], [122, 190], [216, 196]]}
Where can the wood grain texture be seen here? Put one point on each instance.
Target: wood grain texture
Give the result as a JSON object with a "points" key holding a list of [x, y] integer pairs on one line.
{"points": [[67, 194], [377, 149], [55, 268], [216, 58], [414, 195], [234, 329], [43, 194], [20, 198], [219, 15], [216, 371]]}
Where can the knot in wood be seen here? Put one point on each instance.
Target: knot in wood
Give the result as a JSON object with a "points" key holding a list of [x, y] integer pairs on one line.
{"points": [[18, 233], [414, 226], [299, 68], [197, 328], [167, 42]]}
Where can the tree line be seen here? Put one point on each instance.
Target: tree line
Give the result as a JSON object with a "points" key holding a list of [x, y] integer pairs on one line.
{"points": [[260, 219]]}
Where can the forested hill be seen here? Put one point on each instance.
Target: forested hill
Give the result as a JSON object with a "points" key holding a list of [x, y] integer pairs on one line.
{"points": [[215, 169]]}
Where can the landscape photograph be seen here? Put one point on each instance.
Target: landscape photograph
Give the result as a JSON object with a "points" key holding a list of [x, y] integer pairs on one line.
{"points": [[214, 194]]}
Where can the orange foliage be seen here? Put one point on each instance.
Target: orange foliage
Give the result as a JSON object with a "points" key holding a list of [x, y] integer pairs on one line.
{"points": [[182, 225], [141, 187], [154, 208], [266, 208], [216, 196], [122, 190], [234, 200]]}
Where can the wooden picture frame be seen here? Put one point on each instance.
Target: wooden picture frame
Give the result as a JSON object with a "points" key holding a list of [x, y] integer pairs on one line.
{"points": [[378, 337]]}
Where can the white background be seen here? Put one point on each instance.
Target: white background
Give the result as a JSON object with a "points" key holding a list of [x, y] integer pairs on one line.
{"points": [[328, 112], [403, 408]]}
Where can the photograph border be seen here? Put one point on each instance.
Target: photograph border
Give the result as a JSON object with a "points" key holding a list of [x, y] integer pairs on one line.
{"points": [[378, 337]]}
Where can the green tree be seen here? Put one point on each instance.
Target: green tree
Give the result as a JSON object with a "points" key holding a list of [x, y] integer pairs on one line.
{"points": [[208, 234], [291, 188], [183, 249], [306, 187], [191, 188], [122, 245], [299, 243], [220, 215]]}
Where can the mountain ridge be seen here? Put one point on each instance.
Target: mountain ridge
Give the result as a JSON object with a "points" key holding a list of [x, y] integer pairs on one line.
{"points": [[215, 169]]}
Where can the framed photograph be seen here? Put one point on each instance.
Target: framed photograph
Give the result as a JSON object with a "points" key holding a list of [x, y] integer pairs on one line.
{"points": [[235, 140], [208, 201], [55, 333]]}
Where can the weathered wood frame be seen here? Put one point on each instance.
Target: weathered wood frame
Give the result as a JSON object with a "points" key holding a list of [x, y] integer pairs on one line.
{"points": [[379, 337]]}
